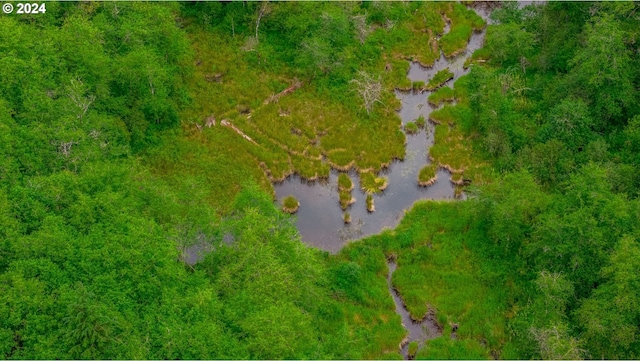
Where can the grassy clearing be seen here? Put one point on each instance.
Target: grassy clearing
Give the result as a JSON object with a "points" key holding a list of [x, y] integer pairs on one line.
{"points": [[442, 95], [463, 22], [290, 204], [427, 175], [439, 79], [372, 184], [292, 134]]}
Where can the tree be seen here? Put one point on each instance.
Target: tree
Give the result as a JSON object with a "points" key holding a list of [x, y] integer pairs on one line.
{"points": [[510, 45], [570, 122], [611, 316], [550, 329], [369, 89], [604, 69]]}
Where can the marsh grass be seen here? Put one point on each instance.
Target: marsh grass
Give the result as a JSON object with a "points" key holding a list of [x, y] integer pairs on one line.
{"points": [[370, 203], [439, 79], [293, 133], [346, 217], [395, 74], [457, 150], [310, 169], [442, 95], [417, 85], [346, 199], [344, 182], [340, 159], [420, 122], [411, 128], [456, 147], [457, 192], [463, 22], [445, 348], [457, 178], [444, 115], [441, 269], [372, 184], [427, 175], [360, 273], [198, 160], [413, 348], [290, 204], [422, 28]]}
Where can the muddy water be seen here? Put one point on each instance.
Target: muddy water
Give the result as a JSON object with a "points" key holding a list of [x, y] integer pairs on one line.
{"points": [[320, 218], [418, 331]]}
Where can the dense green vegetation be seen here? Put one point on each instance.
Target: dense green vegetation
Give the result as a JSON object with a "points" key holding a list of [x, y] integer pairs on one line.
{"points": [[116, 170]]}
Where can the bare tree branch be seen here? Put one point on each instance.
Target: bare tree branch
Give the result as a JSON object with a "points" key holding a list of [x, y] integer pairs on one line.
{"points": [[369, 89]]}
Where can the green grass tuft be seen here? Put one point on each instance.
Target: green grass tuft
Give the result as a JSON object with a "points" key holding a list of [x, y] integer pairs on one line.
{"points": [[344, 182], [413, 348], [290, 204], [411, 128], [427, 175], [439, 79], [444, 94], [372, 184], [346, 199], [420, 122], [370, 204]]}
